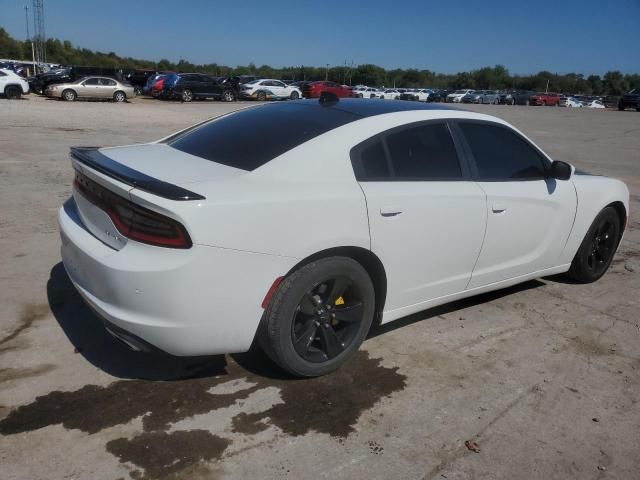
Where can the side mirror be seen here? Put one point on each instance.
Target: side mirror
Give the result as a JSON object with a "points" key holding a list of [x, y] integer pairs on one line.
{"points": [[560, 170]]}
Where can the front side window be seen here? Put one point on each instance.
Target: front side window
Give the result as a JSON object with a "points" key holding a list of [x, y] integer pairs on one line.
{"points": [[92, 81], [501, 154]]}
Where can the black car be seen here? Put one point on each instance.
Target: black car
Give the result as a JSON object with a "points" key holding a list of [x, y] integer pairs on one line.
{"points": [[39, 83], [190, 86], [630, 100], [516, 97]]}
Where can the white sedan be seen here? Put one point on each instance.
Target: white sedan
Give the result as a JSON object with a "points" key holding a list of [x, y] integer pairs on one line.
{"points": [[390, 94], [456, 97], [422, 95], [365, 212], [268, 89], [368, 92], [595, 104]]}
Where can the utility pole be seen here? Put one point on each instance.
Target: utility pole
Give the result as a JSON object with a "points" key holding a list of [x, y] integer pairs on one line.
{"points": [[326, 75], [30, 40], [39, 36]]}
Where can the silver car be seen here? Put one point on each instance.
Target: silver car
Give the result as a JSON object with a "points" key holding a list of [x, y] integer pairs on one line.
{"points": [[489, 96], [91, 87]]}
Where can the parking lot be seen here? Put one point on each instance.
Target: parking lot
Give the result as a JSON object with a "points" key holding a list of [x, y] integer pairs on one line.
{"points": [[543, 377]]}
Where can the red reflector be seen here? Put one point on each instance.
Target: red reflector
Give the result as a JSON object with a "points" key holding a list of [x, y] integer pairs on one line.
{"points": [[274, 286]]}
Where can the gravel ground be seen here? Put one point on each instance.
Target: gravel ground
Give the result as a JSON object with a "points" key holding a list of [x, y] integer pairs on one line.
{"points": [[543, 377]]}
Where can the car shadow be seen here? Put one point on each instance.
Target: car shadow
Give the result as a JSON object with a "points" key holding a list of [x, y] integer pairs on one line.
{"points": [[87, 334], [378, 329], [85, 331]]}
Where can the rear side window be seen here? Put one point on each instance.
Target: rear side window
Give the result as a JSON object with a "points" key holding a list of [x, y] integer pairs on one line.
{"points": [[374, 161], [424, 152], [501, 154], [249, 138]]}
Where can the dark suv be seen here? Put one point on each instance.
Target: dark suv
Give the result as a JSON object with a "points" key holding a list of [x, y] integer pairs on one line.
{"points": [[630, 100], [190, 86]]}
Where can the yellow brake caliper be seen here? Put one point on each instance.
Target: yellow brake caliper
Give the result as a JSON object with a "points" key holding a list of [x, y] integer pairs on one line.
{"points": [[339, 301]]}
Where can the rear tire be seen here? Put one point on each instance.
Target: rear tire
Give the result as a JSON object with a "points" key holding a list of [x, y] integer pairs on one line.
{"points": [[318, 316], [597, 249], [69, 95], [12, 92], [187, 95], [119, 97], [261, 96]]}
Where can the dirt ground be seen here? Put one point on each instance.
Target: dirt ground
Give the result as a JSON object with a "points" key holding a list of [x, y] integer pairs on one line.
{"points": [[544, 377]]}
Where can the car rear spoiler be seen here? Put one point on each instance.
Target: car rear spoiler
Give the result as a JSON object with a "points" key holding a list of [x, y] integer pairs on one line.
{"points": [[92, 157]]}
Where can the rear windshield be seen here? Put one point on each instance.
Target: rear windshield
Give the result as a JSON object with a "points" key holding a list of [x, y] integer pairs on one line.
{"points": [[250, 138]]}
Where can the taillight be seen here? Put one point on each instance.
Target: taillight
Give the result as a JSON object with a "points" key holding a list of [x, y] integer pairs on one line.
{"points": [[133, 221]]}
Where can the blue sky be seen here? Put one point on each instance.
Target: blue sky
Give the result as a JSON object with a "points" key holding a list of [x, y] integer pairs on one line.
{"points": [[562, 36]]}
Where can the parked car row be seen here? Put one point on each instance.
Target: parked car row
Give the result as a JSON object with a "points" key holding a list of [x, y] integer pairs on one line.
{"points": [[70, 83]]}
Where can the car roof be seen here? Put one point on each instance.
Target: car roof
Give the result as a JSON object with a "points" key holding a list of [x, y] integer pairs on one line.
{"points": [[370, 107]]}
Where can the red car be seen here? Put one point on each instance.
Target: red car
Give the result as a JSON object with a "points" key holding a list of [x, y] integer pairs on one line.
{"points": [[314, 89], [550, 99]]}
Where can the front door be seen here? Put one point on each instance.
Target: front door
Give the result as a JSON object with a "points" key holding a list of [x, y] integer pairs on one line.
{"points": [[529, 214]]}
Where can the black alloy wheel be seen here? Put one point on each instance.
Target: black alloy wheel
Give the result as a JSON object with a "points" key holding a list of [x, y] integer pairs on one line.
{"points": [[318, 316], [597, 248], [327, 319]]}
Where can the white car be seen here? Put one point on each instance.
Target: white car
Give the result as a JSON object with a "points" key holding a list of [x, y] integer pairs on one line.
{"points": [[12, 85], [269, 88], [422, 95], [572, 102], [390, 94], [367, 92], [595, 104], [456, 97], [366, 211]]}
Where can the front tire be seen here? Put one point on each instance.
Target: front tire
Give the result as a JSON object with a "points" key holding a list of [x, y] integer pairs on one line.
{"points": [[69, 95], [294, 96], [228, 96], [318, 317], [597, 248]]}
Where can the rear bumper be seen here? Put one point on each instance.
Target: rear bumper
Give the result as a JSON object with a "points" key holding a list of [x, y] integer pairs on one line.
{"points": [[200, 301]]}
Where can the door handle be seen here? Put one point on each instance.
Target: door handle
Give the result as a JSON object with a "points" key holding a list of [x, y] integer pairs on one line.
{"points": [[498, 208], [390, 211]]}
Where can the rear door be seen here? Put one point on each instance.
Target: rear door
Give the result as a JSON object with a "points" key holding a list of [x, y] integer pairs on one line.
{"points": [[108, 87], [529, 215], [426, 216]]}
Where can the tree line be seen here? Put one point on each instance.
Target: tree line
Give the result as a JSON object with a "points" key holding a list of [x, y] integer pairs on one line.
{"points": [[494, 78]]}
